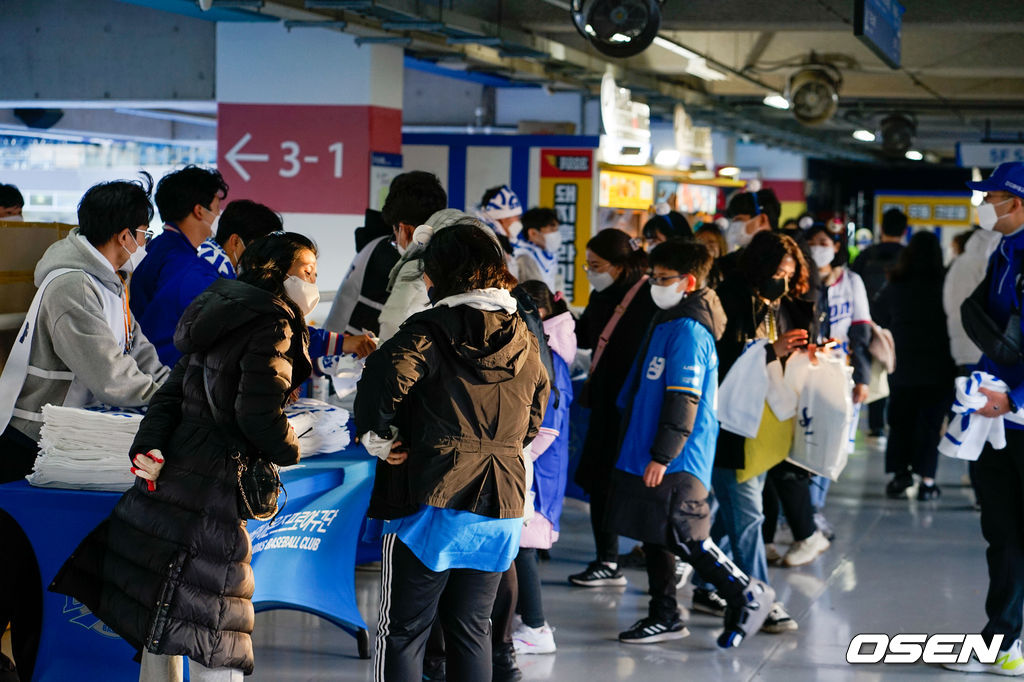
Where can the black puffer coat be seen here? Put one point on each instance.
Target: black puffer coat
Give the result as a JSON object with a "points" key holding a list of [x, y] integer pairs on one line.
{"points": [[466, 390], [169, 570]]}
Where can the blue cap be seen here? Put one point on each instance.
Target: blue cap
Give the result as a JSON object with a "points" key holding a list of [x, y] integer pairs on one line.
{"points": [[1008, 177]]}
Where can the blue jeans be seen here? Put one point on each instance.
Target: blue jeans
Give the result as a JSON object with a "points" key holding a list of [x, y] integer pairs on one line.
{"points": [[819, 489], [740, 515]]}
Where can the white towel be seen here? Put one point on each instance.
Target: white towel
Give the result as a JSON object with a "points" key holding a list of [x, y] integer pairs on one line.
{"points": [[968, 431], [321, 427]]}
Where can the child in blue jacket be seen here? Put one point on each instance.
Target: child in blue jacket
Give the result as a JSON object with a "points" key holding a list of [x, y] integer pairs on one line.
{"points": [[660, 490]]}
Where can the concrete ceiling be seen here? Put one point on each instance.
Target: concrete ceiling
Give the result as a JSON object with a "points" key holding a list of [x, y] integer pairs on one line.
{"points": [[961, 78]]}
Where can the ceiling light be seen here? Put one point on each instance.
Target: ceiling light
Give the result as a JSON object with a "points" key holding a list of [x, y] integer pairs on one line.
{"points": [[914, 155], [864, 135], [813, 93], [667, 158], [617, 28], [695, 64], [729, 171], [776, 101]]}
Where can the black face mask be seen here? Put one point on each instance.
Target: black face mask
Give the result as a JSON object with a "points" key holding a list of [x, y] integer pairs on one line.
{"points": [[774, 289]]}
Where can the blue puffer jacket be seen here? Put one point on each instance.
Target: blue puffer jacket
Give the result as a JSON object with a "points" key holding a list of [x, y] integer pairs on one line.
{"points": [[1005, 267]]}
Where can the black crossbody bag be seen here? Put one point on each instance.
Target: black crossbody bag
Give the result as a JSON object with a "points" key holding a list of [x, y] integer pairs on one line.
{"points": [[1002, 345], [259, 481]]}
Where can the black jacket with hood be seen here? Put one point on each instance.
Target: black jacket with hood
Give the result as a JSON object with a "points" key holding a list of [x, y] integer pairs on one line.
{"points": [[169, 569], [466, 390]]}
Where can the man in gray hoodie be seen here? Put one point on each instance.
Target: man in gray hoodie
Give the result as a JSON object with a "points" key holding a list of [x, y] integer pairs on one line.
{"points": [[80, 343]]}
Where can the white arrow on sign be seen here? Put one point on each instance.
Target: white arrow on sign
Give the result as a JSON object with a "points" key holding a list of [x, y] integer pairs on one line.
{"points": [[235, 155]]}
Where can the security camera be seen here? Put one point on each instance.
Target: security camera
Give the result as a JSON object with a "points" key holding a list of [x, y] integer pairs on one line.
{"points": [[617, 28], [813, 93]]}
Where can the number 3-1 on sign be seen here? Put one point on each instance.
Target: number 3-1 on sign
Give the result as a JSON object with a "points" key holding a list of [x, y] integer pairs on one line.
{"points": [[294, 164]]}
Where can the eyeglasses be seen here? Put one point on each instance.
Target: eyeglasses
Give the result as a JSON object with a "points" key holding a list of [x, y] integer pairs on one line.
{"points": [[662, 281], [148, 235]]}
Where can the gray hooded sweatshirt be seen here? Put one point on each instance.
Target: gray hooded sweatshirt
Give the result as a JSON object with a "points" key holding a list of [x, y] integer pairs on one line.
{"points": [[73, 335]]}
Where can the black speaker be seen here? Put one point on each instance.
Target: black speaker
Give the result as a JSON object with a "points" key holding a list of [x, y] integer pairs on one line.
{"points": [[41, 119]]}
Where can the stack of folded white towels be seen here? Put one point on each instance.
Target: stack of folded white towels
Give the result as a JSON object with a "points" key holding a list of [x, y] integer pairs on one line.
{"points": [[86, 449], [321, 427]]}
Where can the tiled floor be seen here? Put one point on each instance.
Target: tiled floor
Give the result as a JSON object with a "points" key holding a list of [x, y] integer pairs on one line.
{"points": [[895, 566]]}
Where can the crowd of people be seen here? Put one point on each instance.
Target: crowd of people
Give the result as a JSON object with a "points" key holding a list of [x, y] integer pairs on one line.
{"points": [[464, 399]]}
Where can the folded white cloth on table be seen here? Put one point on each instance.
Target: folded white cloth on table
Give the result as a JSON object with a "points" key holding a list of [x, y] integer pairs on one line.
{"points": [[968, 431], [86, 448], [321, 427]]}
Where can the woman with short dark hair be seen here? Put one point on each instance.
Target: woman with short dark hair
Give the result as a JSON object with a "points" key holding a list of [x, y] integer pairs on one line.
{"points": [[612, 326], [448, 405], [169, 569]]}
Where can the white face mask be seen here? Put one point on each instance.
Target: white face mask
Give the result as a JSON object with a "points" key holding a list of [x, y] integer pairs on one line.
{"points": [[666, 296], [987, 216], [134, 258], [600, 280], [514, 229], [736, 235], [401, 249], [13, 218], [822, 255], [304, 294], [552, 241]]}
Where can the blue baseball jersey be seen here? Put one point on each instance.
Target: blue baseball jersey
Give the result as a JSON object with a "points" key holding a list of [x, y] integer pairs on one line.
{"points": [[681, 357]]}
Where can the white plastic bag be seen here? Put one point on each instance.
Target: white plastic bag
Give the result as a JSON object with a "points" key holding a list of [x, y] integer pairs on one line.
{"points": [[824, 413], [742, 394]]}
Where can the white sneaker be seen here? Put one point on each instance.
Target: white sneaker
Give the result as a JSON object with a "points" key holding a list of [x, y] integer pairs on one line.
{"points": [[771, 553], [1009, 663], [805, 551], [529, 640], [683, 573]]}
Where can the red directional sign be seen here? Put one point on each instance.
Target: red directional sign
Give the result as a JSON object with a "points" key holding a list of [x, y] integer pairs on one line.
{"points": [[303, 159]]}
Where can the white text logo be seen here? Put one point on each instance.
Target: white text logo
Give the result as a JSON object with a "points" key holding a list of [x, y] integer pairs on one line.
{"points": [[911, 648]]}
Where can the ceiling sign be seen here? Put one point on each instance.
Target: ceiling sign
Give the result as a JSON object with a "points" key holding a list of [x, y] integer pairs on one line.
{"points": [[878, 24], [987, 155]]}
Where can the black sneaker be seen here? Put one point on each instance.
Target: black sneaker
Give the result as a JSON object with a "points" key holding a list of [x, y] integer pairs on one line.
{"points": [[503, 664], [709, 602], [745, 621], [928, 492], [899, 484], [598, 574], [650, 630]]}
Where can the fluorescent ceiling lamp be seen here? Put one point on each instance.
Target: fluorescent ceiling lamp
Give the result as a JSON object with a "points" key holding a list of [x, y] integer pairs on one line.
{"points": [[914, 155], [667, 158], [729, 171], [695, 64], [864, 135], [776, 101]]}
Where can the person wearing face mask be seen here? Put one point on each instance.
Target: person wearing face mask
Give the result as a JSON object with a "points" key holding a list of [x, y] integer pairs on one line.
{"points": [[764, 298], [244, 351], [244, 221], [11, 203], [173, 274], [79, 344], [537, 246], [663, 473], [665, 225], [748, 213], [992, 320], [501, 210], [612, 326]]}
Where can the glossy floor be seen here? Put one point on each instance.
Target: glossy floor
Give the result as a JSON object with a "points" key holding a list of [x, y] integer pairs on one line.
{"points": [[895, 566]]}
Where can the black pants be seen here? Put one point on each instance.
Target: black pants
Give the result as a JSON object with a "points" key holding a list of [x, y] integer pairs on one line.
{"points": [[789, 487], [915, 422], [531, 606], [411, 596], [503, 614], [21, 595], [876, 415], [606, 541], [999, 475]]}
